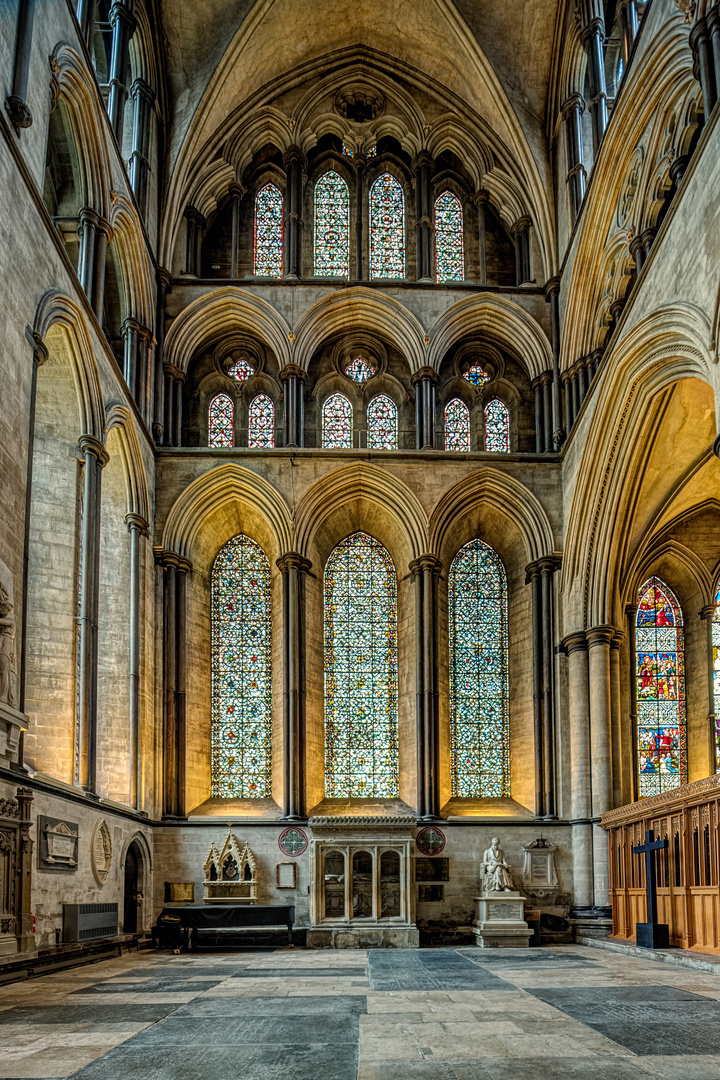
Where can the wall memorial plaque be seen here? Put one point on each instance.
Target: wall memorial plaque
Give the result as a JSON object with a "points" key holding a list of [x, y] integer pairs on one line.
{"points": [[432, 869], [101, 851], [293, 841], [286, 875], [431, 894], [430, 840], [57, 844], [179, 892]]}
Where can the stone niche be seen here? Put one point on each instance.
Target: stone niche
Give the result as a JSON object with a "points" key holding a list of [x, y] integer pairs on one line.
{"points": [[12, 721], [230, 873], [361, 893]]}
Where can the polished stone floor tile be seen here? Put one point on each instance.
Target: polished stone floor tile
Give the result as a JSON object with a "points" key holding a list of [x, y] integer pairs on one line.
{"points": [[304, 1061]]}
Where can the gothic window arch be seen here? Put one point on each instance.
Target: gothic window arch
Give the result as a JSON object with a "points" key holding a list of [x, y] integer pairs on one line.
{"points": [[332, 226], [337, 423], [479, 718], [387, 228], [449, 248], [268, 260], [261, 422], [497, 427], [361, 717], [457, 426], [660, 689], [241, 671], [382, 424], [221, 415]]}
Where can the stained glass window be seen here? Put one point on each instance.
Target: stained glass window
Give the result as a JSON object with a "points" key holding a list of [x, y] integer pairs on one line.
{"points": [[660, 675], [382, 424], [716, 674], [261, 422], [477, 594], [240, 369], [269, 232], [332, 226], [359, 369], [457, 425], [387, 228], [449, 254], [476, 374], [497, 426], [241, 698], [337, 423], [220, 421], [361, 738]]}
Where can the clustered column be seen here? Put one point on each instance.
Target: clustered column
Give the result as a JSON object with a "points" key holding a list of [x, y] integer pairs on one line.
{"points": [[577, 380], [16, 103], [424, 228], [552, 296], [163, 288], [175, 571], [426, 570], [580, 784], [293, 379], [593, 39], [137, 527], [293, 568], [521, 232], [540, 578], [572, 112], [542, 388], [294, 161], [144, 102], [425, 381], [627, 13], [95, 234], [122, 21], [138, 342], [236, 192], [705, 44], [174, 379], [195, 225], [481, 199], [599, 639]]}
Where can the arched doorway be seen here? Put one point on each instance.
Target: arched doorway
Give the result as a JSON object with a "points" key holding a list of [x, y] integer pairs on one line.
{"points": [[133, 892]]}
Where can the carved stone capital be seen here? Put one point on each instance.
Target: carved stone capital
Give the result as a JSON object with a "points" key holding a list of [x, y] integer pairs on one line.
{"points": [[600, 635], [90, 445], [576, 102], [424, 373], [172, 560], [481, 197], [521, 225], [293, 560], [575, 642], [136, 521], [40, 350], [293, 371], [552, 287], [424, 563]]}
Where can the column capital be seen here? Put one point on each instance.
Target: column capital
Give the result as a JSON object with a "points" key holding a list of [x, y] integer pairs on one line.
{"points": [[171, 560], [164, 279], [679, 165], [423, 159], [544, 378], [426, 562], [425, 372], [40, 350], [549, 563], [575, 642], [293, 371], [141, 89], [174, 372], [194, 216], [293, 560], [707, 612], [552, 287], [294, 153], [481, 197], [18, 111], [136, 521], [698, 32], [617, 640], [649, 235], [600, 635], [132, 326], [120, 12], [236, 190], [636, 245], [532, 570], [575, 101], [594, 26], [90, 445], [597, 355], [617, 306], [521, 224]]}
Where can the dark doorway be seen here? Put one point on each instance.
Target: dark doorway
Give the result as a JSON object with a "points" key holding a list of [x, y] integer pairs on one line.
{"points": [[133, 892]]}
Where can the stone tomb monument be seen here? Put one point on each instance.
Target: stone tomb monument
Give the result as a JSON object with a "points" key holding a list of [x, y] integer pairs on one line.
{"points": [[499, 921]]}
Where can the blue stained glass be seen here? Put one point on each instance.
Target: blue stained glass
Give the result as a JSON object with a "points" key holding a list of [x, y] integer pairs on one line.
{"points": [[387, 228], [241, 688], [457, 426], [337, 423], [261, 422], [497, 427], [382, 424], [359, 370], [220, 421], [479, 719], [269, 232], [332, 226], [361, 724], [449, 253], [476, 374]]}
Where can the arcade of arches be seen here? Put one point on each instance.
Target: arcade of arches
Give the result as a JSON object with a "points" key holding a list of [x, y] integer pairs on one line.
{"points": [[358, 443]]}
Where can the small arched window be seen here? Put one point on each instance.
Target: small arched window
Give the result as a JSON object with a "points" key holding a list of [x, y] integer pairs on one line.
{"points": [[261, 422], [269, 232], [449, 253], [382, 423], [332, 226], [387, 228], [457, 426], [497, 427], [221, 413], [337, 423]]}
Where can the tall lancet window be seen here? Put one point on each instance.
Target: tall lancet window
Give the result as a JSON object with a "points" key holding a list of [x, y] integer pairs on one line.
{"points": [[332, 226], [382, 423], [497, 427], [361, 721], [221, 413], [261, 422], [660, 676], [387, 228], [269, 232], [479, 722], [716, 673], [241, 692], [457, 426], [337, 423], [449, 253]]}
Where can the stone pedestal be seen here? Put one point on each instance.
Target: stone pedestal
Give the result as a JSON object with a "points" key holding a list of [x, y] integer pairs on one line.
{"points": [[499, 922]]}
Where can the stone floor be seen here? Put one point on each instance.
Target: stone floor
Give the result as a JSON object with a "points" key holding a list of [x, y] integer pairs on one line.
{"points": [[570, 1013]]}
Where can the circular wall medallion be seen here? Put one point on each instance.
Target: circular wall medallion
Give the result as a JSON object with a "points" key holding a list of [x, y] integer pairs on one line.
{"points": [[293, 841], [430, 840]]}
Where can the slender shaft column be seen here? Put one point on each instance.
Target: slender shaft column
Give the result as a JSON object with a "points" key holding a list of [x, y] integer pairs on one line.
{"points": [[22, 883], [174, 379], [293, 379], [598, 639], [704, 68], [195, 225], [637, 250], [707, 614], [293, 568], [143, 98], [86, 19], [426, 571], [138, 528], [569, 402], [359, 163], [94, 235], [572, 111], [95, 457], [631, 613], [236, 193], [575, 390], [618, 747], [481, 200], [627, 11], [424, 226], [582, 838], [533, 579], [163, 288], [130, 331], [16, 103], [539, 418], [294, 161], [425, 381], [648, 239], [521, 232], [546, 380], [713, 22], [547, 567], [593, 38], [175, 571], [123, 27], [552, 296]]}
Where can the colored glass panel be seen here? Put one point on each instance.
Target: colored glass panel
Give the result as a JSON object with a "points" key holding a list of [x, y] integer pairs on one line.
{"points": [[387, 228], [241, 690], [359, 370], [337, 422], [480, 731], [716, 674], [332, 226], [361, 736], [240, 370], [476, 375], [449, 253], [457, 426], [660, 676], [269, 232], [220, 421], [261, 422], [497, 427], [382, 424]]}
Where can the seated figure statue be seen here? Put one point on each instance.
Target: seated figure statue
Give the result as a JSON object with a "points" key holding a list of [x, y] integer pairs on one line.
{"points": [[495, 872]]}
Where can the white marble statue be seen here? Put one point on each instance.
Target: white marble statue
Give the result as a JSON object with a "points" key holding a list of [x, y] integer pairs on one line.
{"points": [[495, 872]]}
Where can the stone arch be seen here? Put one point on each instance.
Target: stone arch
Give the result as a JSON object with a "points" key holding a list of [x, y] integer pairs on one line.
{"points": [[146, 908], [56, 310], [119, 418], [135, 278]]}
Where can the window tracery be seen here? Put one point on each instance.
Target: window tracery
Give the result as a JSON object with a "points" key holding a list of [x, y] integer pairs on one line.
{"points": [[387, 228], [497, 427], [261, 422], [269, 232], [382, 423], [360, 370], [361, 738], [457, 426], [476, 374], [478, 609], [332, 226], [241, 671], [240, 370], [449, 250], [337, 423], [221, 413]]}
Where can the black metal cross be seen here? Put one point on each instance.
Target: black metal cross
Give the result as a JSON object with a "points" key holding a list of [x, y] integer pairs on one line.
{"points": [[648, 849]]}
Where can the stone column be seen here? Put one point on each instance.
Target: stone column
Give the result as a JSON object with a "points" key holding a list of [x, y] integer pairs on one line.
{"points": [[546, 381], [293, 568], [707, 614], [359, 163], [143, 97], [569, 402], [86, 19], [539, 429], [598, 639], [138, 528], [175, 571], [95, 457], [616, 310], [704, 67], [713, 23], [163, 288], [294, 162], [627, 11], [637, 250], [547, 566], [521, 232], [293, 379], [23, 873], [593, 39], [424, 225], [425, 381], [631, 613], [16, 104], [571, 112], [174, 379], [618, 749], [138, 341], [582, 838], [195, 225], [648, 239], [426, 570], [533, 579], [94, 233], [123, 26], [552, 296], [481, 199], [236, 192]]}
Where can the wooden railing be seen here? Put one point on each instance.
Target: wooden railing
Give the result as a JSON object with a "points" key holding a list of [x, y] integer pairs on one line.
{"points": [[687, 871]]}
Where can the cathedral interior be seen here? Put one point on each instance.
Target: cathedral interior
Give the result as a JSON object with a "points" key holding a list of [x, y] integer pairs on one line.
{"points": [[359, 504]]}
